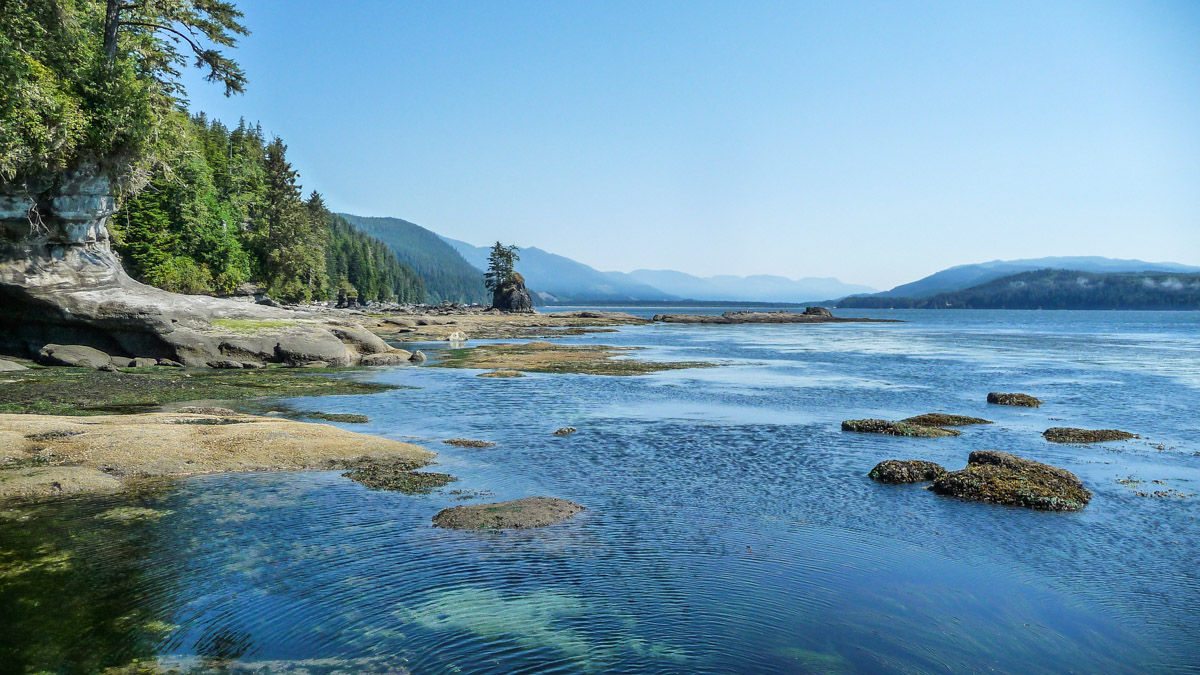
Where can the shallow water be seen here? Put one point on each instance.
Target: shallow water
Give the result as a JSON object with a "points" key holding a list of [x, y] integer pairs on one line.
{"points": [[730, 525]]}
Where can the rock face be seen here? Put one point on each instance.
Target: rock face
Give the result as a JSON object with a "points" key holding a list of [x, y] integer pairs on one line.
{"points": [[1071, 435], [61, 283], [1000, 478], [516, 514], [906, 471], [513, 297], [1021, 400], [888, 428]]}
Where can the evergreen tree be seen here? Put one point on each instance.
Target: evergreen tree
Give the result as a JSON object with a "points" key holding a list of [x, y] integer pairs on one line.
{"points": [[501, 266]]}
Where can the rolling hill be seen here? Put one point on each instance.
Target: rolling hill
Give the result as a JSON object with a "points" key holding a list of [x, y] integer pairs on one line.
{"points": [[966, 276], [1058, 289], [446, 274]]}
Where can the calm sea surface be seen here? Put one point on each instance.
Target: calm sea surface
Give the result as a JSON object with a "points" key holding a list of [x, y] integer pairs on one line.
{"points": [[730, 524]]}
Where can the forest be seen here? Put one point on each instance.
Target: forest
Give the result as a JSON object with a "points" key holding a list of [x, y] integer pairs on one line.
{"points": [[94, 86], [1058, 289]]}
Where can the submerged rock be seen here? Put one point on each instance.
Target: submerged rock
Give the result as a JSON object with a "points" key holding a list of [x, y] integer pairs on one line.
{"points": [[1071, 435], [872, 426], [944, 420], [516, 514], [502, 373], [1022, 400], [1000, 478], [398, 477], [468, 443], [906, 471]]}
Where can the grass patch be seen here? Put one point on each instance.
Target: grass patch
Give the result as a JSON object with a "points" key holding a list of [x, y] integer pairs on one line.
{"points": [[83, 391]]}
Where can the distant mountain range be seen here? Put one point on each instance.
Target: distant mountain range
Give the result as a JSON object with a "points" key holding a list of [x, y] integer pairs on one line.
{"points": [[966, 276], [1058, 289], [453, 270]]}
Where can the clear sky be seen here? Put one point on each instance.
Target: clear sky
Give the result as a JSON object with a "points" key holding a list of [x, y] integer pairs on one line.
{"points": [[875, 142]]}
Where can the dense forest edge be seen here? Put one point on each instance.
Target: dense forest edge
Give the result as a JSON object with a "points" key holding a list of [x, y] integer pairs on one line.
{"points": [[1057, 289]]}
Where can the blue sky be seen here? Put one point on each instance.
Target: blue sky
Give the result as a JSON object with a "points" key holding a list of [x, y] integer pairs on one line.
{"points": [[875, 142]]}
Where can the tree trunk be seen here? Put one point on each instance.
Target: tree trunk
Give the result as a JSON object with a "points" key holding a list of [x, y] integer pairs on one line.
{"points": [[112, 20]]}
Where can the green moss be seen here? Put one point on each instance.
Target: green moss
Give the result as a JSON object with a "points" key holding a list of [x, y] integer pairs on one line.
{"points": [[252, 325], [83, 391]]}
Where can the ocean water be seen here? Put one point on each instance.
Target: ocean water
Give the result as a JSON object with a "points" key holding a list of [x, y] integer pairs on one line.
{"points": [[730, 526]]}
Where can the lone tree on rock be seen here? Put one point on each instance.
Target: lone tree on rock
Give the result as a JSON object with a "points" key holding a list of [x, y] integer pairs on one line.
{"points": [[506, 284], [500, 269]]}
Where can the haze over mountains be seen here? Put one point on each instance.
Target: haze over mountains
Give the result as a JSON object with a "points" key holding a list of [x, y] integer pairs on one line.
{"points": [[453, 270]]}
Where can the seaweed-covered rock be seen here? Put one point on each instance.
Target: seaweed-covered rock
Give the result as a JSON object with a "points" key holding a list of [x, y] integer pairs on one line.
{"points": [[468, 443], [871, 426], [516, 514], [906, 471], [1000, 478], [1071, 435], [502, 373], [398, 476], [565, 431], [1022, 400], [943, 420]]}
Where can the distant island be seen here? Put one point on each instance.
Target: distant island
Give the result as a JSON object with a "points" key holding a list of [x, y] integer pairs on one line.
{"points": [[1057, 289]]}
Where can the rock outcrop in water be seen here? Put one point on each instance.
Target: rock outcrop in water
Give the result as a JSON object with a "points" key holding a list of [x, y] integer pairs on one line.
{"points": [[1021, 400], [810, 315], [888, 428], [514, 515], [906, 471], [943, 420], [513, 296], [1000, 478], [61, 284], [1071, 435]]}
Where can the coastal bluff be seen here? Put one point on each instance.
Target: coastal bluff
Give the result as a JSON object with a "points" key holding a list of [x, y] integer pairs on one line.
{"points": [[809, 315]]}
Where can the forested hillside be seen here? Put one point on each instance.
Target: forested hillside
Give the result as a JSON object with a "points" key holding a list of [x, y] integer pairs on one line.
{"points": [[1058, 289], [226, 208], [446, 274]]}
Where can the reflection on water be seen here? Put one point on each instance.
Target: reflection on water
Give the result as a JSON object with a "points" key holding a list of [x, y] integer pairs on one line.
{"points": [[730, 526]]}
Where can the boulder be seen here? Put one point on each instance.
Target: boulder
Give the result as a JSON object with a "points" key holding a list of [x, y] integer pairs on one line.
{"points": [[906, 471], [1021, 400], [225, 364], [311, 347], [1071, 435], [457, 336], [516, 514], [513, 296], [143, 362], [417, 357], [10, 366], [873, 426], [72, 355], [169, 363], [398, 357], [817, 311], [360, 339], [1000, 478]]}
